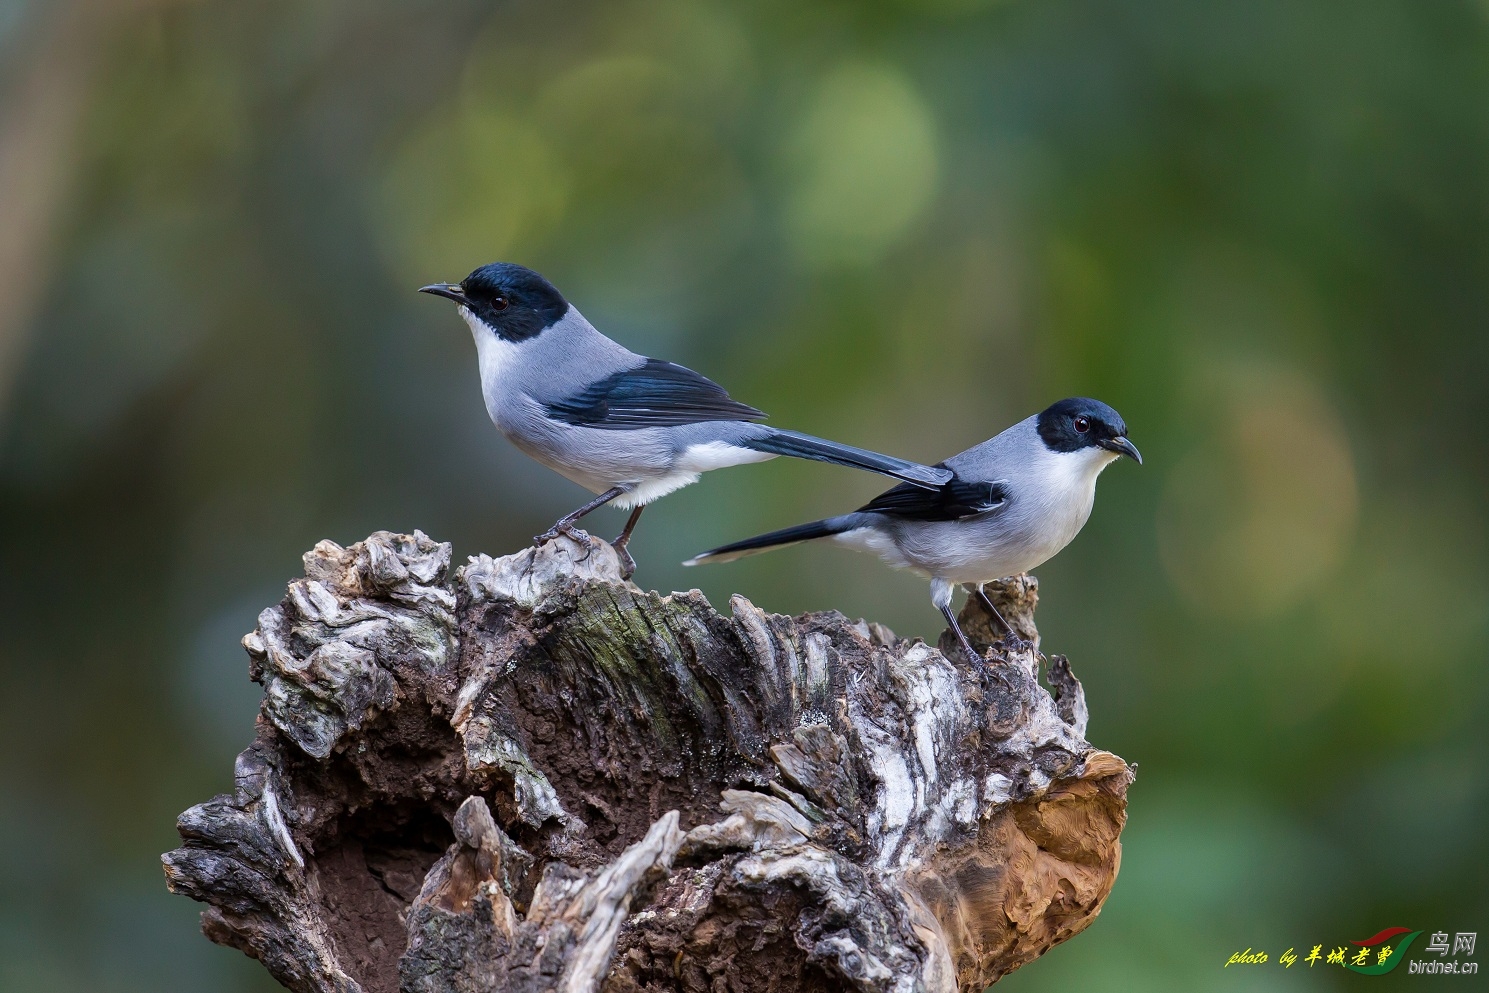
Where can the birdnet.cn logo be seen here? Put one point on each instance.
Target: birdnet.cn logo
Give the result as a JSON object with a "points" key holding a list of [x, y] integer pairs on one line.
{"points": [[1375, 956]]}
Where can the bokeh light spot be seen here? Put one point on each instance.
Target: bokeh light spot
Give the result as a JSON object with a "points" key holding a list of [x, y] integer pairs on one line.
{"points": [[1264, 507], [467, 188], [862, 162]]}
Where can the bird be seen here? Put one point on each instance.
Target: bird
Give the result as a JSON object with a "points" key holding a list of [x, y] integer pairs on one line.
{"points": [[1013, 502], [626, 427]]}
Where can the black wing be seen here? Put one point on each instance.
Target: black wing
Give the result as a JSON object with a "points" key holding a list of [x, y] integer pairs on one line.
{"points": [[949, 502], [656, 394]]}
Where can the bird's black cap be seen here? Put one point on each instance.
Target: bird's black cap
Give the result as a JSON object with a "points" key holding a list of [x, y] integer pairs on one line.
{"points": [[511, 299], [1080, 422]]}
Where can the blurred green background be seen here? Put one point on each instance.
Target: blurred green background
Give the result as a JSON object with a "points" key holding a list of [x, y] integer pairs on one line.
{"points": [[1260, 230]]}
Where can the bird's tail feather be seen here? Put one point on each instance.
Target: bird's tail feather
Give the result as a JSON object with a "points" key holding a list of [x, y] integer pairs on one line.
{"points": [[804, 446], [775, 539]]}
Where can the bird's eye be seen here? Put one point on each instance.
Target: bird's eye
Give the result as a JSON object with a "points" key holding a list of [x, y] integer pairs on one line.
{"points": [[1082, 424], [499, 302]]}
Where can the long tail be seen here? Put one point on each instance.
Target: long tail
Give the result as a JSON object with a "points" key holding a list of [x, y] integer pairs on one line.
{"points": [[804, 446], [776, 539]]}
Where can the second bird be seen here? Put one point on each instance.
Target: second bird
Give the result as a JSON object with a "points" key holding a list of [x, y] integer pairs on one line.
{"points": [[1015, 501], [629, 428]]}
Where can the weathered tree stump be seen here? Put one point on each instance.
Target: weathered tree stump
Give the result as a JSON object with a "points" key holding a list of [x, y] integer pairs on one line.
{"points": [[535, 776]]}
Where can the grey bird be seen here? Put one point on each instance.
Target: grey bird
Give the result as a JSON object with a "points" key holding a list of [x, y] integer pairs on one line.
{"points": [[629, 428], [1013, 503]]}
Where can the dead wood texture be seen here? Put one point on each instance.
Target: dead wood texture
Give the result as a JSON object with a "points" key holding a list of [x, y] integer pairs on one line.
{"points": [[533, 776]]}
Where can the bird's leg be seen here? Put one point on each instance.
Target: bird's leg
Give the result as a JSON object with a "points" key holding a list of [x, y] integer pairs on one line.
{"points": [[956, 629], [627, 564], [565, 525], [1013, 636], [941, 592]]}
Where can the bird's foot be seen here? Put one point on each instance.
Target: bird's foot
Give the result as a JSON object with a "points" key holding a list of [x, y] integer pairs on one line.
{"points": [[992, 666], [565, 528], [1012, 639], [627, 564], [973, 655], [961, 636]]}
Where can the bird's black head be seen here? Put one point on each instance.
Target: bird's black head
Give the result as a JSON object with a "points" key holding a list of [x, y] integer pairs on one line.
{"points": [[1080, 422], [512, 300]]}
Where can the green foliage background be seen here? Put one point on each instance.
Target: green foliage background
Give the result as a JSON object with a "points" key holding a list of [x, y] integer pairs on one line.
{"points": [[1260, 230]]}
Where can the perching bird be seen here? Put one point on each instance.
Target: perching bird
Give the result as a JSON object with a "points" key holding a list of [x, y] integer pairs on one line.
{"points": [[1014, 502], [629, 428]]}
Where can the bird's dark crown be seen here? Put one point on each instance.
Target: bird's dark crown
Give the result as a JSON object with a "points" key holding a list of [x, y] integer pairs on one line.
{"points": [[1061, 426], [512, 300]]}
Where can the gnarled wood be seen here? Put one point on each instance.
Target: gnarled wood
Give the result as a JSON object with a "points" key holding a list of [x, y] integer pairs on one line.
{"points": [[533, 776]]}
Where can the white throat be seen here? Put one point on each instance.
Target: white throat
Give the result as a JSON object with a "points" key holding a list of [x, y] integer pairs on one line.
{"points": [[1075, 472], [494, 353], [1063, 484]]}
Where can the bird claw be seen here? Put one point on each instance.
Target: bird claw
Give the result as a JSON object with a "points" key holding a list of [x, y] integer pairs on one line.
{"points": [[973, 655], [627, 564], [567, 530]]}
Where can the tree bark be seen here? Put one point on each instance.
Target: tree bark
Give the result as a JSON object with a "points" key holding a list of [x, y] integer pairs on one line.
{"points": [[534, 776]]}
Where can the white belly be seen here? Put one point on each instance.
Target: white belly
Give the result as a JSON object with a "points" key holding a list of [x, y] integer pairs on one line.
{"points": [[878, 543], [692, 463]]}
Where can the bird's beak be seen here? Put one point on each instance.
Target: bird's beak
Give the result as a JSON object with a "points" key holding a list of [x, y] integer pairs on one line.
{"points": [[1122, 446], [450, 291]]}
